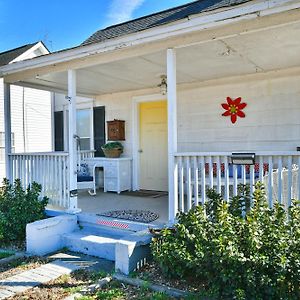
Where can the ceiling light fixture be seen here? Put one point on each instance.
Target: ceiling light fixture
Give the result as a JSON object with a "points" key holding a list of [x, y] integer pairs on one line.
{"points": [[163, 85]]}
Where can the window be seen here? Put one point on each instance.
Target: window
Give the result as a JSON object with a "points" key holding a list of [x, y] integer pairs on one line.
{"points": [[92, 136], [83, 123], [2, 145]]}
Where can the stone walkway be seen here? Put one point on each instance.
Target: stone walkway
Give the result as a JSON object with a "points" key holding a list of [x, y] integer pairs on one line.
{"points": [[32, 278], [63, 263]]}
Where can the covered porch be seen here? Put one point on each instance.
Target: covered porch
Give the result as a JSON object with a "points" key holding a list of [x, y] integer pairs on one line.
{"points": [[249, 57]]}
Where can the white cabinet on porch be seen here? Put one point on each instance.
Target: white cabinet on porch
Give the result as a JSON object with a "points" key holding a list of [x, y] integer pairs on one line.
{"points": [[117, 172]]}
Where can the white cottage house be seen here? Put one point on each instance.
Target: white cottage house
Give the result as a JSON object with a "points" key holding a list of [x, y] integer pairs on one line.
{"points": [[194, 84], [31, 109]]}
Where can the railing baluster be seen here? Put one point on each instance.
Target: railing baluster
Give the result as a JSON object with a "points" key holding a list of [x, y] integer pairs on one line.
{"points": [[219, 175], [280, 178], [19, 166], [27, 170], [244, 174], [210, 172], [64, 181], [203, 188], [181, 183], [290, 183], [189, 187], [252, 179], [55, 182], [59, 194], [196, 180], [270, 182], [24, 171], [226, 176], [31, 163], [14, 167], [235, 180], [42, 180]]}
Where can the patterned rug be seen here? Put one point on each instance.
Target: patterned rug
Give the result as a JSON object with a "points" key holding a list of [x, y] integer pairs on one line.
{"points": [[145, 193], [143, 216]]}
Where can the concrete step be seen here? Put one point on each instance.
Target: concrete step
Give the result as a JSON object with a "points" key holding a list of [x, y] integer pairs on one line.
{"points": [[99, 243]]}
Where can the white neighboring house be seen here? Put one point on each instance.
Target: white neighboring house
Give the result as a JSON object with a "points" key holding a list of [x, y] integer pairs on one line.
{"points": [[31, 109]]}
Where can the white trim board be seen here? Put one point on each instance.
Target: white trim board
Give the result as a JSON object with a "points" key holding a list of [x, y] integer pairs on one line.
{"points": [[136, 134]]}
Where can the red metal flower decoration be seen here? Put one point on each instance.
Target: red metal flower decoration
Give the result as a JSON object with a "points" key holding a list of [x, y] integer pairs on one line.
{"points": [[234, 109]]}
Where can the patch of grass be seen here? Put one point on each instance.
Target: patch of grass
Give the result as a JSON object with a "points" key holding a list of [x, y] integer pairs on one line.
{"points": [[146, 285], [74, 289], [159, 296], [94, 276], [196, 297], [5, 254], [111, 294], [86, 298]]}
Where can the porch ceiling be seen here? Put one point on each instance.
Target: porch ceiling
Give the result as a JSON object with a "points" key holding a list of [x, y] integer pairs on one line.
{"points": [[261, 51]]}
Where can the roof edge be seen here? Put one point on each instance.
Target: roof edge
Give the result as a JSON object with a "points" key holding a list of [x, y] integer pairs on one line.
{"points": [[231, 15]]}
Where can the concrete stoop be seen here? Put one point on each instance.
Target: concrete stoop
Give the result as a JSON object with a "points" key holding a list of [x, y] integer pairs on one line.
{"points": [[128, 248]]}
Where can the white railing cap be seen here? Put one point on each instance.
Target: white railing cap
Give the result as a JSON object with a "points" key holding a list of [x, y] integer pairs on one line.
{"points": [[57, 153], [258, 153]]}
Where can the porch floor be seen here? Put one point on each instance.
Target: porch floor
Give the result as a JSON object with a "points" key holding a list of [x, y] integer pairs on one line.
{"points": [[104, 202]]}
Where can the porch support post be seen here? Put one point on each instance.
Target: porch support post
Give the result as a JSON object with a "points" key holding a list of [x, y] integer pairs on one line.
{"points": [[7, 130], [73, 207], [172, 133]]}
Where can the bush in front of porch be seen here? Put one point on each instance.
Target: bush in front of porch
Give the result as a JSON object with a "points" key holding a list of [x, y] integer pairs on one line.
{"points": [[236, 250], [18, 207]]}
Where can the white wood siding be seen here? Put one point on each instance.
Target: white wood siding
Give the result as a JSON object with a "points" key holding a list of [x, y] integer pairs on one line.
{"points": [[272, 115], [36, 135]]}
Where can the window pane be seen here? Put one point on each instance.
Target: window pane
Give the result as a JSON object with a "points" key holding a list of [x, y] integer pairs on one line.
{"points": [[84, 123], [85, 144]]}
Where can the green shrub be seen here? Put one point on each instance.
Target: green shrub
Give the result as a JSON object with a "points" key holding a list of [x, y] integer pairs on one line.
{"points": [[19, 207], [237, 250]]}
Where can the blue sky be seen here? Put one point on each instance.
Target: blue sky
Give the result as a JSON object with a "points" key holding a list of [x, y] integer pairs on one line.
{"points": [[66, 23]]}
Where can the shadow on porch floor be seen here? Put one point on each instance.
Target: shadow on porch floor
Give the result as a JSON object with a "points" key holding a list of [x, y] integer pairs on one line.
{"points": [[104, 202]]}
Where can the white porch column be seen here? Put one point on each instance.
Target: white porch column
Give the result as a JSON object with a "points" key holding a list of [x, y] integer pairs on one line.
{"points": [[72, 141], [172, 133], [7, 130]]}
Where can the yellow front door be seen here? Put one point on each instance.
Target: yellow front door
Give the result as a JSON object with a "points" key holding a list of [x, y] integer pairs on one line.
{"points": [[154, 146]]}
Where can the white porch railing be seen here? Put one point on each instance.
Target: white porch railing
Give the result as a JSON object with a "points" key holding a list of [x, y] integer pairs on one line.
{"points": [[196, 172], [48, 169], [86, 154]]}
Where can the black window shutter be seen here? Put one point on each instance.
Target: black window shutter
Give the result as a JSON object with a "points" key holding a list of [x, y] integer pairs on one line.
{"points": [[59, 131], [99, 130]]}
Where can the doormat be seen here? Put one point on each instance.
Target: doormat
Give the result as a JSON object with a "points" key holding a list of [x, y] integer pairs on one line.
{"points": [[143, 216], [145, 193]]}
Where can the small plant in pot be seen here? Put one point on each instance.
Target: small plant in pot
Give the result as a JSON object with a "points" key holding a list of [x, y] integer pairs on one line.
{"points": [[112, 149]]}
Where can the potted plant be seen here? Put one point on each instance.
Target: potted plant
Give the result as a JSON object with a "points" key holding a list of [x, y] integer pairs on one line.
{"points": [[112, 149]]}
